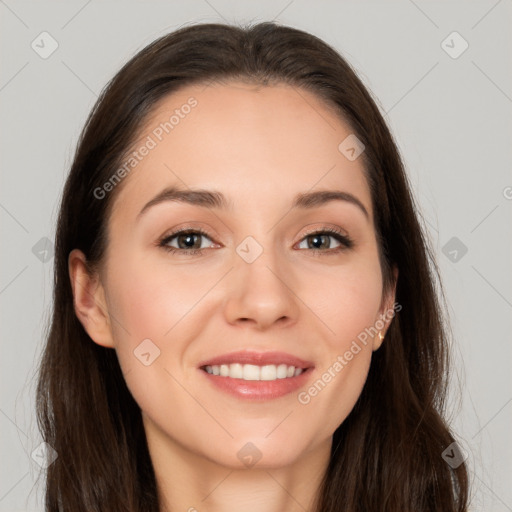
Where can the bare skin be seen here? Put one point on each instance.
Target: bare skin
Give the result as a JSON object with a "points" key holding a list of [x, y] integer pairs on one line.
{"points": [[306, 295]]}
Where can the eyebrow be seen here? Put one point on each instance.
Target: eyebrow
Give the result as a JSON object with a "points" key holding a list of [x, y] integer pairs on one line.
{"points": [[213, 199]]}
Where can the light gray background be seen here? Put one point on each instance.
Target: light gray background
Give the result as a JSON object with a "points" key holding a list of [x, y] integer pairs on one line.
{"points": [[452, 120]]}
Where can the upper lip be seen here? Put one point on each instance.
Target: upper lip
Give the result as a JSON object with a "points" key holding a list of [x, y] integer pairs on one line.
{"points": [[258, 359]]}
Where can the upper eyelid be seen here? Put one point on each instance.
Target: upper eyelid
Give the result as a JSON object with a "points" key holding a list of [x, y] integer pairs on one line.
{"points": [[326, 229]]}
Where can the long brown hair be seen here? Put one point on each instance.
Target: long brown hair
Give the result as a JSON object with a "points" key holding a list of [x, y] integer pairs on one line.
{"points": [[387, 455]]}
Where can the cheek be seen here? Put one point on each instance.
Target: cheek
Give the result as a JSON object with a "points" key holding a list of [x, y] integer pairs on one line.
{"points": [[347, 303], [337, 386], [155, 313], [339, 379], [154, 319], [150, 300]]}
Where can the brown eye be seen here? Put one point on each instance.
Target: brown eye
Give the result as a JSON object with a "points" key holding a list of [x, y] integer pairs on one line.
{"points": [[319, 241], [326, 241], [189, 240], [186, 242]]}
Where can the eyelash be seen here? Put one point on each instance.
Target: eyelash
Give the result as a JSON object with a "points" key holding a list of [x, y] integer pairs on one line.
{"points": [[345, 241]]}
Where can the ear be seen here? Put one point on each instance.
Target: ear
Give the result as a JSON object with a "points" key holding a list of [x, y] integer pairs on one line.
{"points": [[386, 312], [89, 300]]}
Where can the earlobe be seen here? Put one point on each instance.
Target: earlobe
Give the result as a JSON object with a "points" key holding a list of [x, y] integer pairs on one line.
{"points": [[89, 300], [387, 313], [378, 340]]}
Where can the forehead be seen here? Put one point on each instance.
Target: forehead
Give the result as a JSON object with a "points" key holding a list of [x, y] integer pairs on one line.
{"points": [[253, 143]]}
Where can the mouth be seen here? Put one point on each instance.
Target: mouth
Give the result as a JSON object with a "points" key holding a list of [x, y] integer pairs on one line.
{"points": [[257, 375], [253, 372]]}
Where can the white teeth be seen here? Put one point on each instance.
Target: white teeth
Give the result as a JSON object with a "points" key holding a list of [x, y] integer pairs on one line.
{"points": [[253, 372], [282, 371], [236, 371], [268, 372]]}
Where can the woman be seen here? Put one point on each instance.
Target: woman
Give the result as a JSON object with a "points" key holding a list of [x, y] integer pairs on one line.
{"points": [[245, 312]]}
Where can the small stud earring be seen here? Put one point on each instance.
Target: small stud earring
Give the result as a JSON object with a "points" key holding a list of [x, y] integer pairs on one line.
{"points": [[381, 337]]}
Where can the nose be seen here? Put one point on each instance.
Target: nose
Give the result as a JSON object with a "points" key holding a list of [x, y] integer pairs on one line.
{"points": [[261, 294]]}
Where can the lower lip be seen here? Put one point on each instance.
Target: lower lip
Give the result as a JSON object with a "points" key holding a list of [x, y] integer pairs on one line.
{"points": [[258, 389]]}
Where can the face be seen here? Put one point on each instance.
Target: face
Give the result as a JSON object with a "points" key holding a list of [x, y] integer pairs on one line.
{"points": [[239, 296]]}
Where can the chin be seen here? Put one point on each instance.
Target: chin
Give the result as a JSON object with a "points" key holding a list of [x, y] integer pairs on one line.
{"points": [[259, 453]]}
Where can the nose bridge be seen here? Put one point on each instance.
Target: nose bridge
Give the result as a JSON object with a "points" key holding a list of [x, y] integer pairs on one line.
{"points": [[260, 290], [259, 263]]}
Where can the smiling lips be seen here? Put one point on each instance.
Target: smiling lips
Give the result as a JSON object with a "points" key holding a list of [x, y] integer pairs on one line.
{"points": [[256, 375]]}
